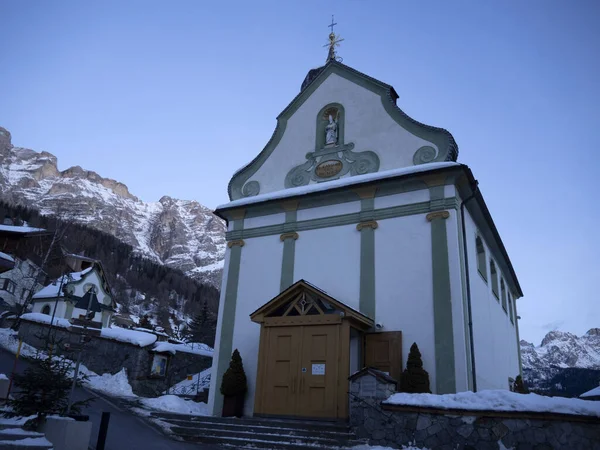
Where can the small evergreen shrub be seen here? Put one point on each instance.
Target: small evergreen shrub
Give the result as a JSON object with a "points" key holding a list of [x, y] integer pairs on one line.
{"points": [[415, 379], [234, 379], [519, 386]]}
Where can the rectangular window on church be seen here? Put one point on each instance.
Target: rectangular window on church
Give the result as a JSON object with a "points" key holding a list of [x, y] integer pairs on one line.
{"points": [[494, 276], [503, 291], [510, 309], [481, 258]]}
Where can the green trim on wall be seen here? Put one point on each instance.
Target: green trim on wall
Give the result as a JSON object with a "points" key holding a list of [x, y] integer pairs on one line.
{"points": [[463, 283], [227, 323], [447, 150], [445, 372], [289, 252], [518, 339], [69, 310], [366, 302], [343, 219]]}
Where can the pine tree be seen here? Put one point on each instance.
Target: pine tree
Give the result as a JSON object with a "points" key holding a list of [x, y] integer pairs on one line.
{"points": [[43, 389], [234, 379], [519, 386], [415, 379]]}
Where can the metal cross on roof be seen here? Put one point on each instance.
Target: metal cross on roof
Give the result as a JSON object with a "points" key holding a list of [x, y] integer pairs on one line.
{"points": [[334, 41]]}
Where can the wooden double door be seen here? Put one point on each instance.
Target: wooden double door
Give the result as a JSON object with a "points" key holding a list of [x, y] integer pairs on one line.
{"points": [[301, 372]]}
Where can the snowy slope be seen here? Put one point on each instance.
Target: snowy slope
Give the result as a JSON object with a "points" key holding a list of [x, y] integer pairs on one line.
{"points": [[177, 233]]}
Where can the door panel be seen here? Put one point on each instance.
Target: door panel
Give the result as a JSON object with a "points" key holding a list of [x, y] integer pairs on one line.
{"points": [[383, 351], [282, 362], [318, 372]]}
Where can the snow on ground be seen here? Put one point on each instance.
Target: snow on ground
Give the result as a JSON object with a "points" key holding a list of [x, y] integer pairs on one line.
{"points": [[9, 340], [27, 442], [190, 386], [173, 403], [167, 347], [116, 384], [499, 400]]}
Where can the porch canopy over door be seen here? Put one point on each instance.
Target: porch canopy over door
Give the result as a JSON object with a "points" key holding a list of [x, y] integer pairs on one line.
{"points": [[304, 353]]}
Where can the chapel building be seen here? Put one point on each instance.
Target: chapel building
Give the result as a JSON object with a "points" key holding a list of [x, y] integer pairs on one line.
{"points": [[354, 233]]}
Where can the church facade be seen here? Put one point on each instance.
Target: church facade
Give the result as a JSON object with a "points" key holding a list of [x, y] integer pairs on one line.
{"points": [[351, 235]]}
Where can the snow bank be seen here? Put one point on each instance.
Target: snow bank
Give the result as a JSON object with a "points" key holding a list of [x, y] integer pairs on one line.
{"points": [[3, 377], [173, 403], [45, 318], [117, 384], [167, 347], [9, 340], [27, 442], [498, 400], [130, 336]]}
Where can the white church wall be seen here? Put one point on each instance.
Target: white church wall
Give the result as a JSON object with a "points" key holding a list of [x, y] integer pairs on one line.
{"points": [[213, 373], [60, 308], [259, 282], [403, 286], [405, 198], [263, 221], [367, 125], [328, 211], [329, 258], [494, 335]]}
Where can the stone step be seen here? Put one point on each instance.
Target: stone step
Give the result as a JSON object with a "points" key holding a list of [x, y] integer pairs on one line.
{"points": [[256, 442], [269, 435], [313, 425], [341, 433], [13, 434], [36, 443]]}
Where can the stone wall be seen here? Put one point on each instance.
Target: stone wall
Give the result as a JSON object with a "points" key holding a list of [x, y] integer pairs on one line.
{"points": [[102, 355], [395, 426]]}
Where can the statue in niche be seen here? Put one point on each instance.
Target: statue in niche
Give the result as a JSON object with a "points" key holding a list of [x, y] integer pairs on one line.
{"points": [[331, 131]]}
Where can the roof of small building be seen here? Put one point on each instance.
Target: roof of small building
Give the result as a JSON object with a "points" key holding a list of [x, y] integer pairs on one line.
{"points": [[592, 393], [54, 290], [383, 376]]}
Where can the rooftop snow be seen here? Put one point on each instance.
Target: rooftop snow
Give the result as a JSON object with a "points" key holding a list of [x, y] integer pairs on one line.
{"points": [[346, 181], [17, 229], [167, 347], [53, 289], [499, 400], [45, 318], [130, 336], [593, 393], [7, 257]]}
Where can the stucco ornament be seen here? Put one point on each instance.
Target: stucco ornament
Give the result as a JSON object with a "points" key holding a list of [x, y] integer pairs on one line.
{"points": [[331, 131], [251, 188], [332, 158]]}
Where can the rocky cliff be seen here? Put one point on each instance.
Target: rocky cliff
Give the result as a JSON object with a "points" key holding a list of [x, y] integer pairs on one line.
{"points": [[180, 234]]}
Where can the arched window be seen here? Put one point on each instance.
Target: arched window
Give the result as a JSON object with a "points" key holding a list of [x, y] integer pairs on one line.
{"points": [[46, 309], [494, 276], [481, 258], [503, 291]]}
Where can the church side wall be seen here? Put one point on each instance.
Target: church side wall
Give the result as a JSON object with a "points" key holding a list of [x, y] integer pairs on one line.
{"points": [[495, 342], [259, 282], [403, 285]]}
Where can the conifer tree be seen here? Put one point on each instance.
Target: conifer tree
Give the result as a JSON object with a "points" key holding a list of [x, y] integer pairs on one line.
{"points": [[519, 386], [415, 379], [234, 379]]}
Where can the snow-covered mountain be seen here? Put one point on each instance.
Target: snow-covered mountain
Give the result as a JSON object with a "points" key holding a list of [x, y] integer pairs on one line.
{"points": [[180, 234], [564, 363]]}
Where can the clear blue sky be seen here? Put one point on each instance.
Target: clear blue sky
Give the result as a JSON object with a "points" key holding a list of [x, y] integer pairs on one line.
{"points": [[172, 97]]}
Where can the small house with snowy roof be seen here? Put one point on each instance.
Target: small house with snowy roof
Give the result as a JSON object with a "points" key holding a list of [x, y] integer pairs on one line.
{"points": [[354, 233], [70, 295]]}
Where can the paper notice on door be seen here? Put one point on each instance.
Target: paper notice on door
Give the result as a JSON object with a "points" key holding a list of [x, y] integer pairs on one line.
{"points": [[318, 369]]}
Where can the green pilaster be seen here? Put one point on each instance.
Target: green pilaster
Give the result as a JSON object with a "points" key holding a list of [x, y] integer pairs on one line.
{"points": [[228, 319], [518, 339], [289, 251], [69, 311], [463, 279], [445, 373], [367, 228]]}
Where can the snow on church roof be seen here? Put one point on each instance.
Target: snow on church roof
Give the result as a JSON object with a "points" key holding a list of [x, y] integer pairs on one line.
{"points": [[53, 289], [342, 182]]}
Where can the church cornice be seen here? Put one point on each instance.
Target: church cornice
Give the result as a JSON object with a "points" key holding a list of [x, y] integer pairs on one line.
{"points": [[239, 186]]}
